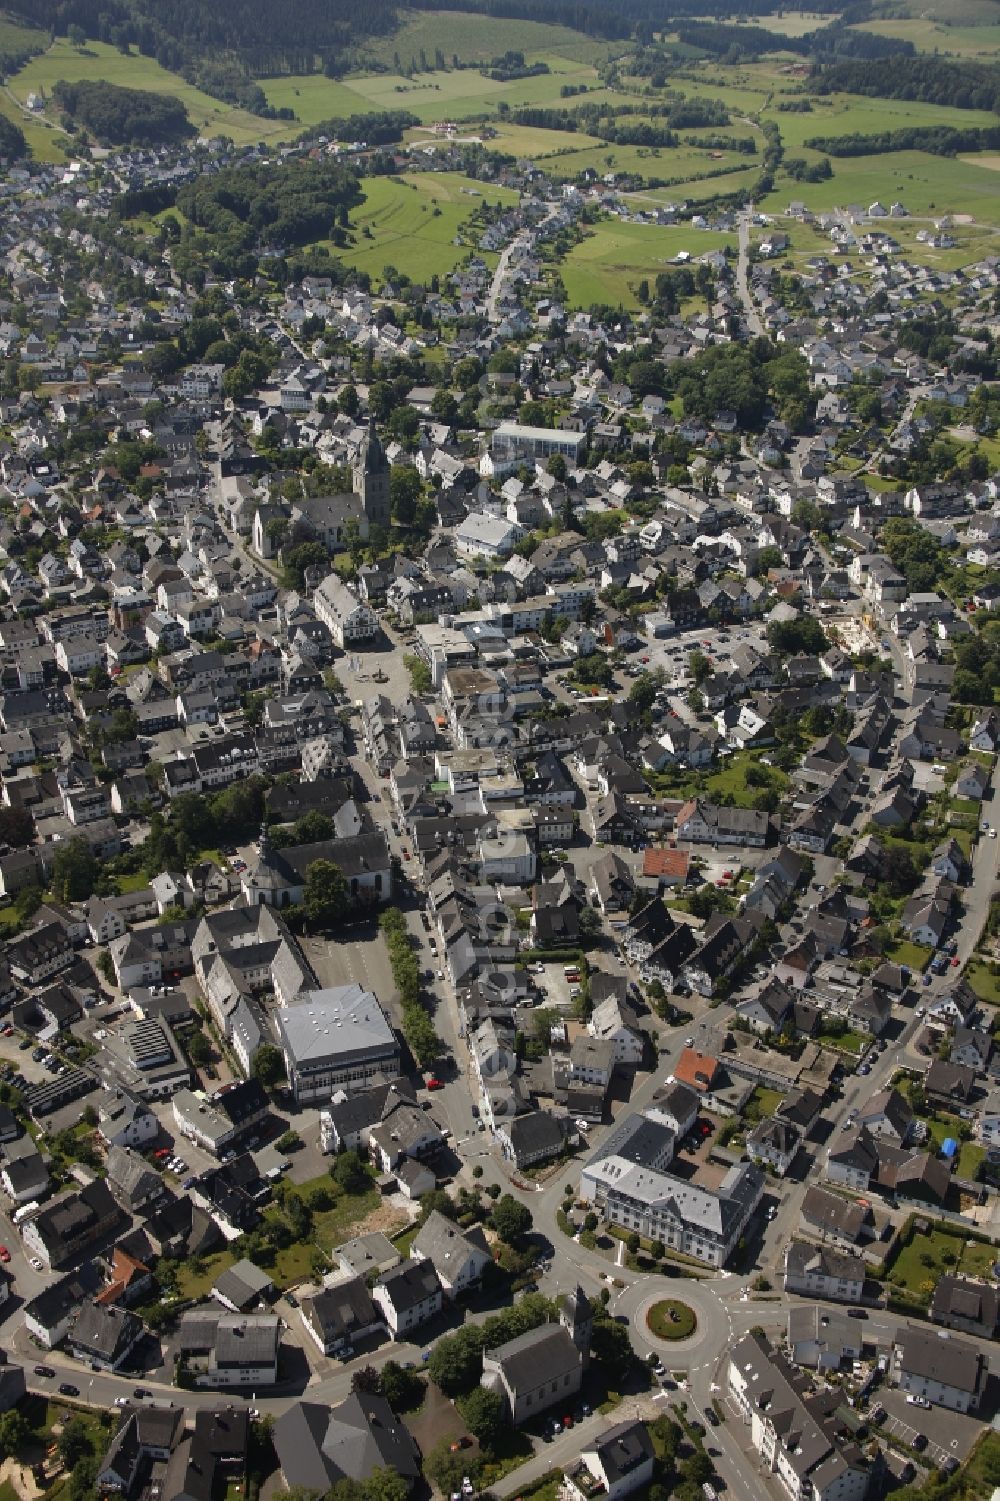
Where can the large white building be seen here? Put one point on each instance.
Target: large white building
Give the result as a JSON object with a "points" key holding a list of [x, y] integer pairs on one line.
{"points": [[348, 620], [335, 1039], [514, 443], [795, 1435], [628, 1179]]}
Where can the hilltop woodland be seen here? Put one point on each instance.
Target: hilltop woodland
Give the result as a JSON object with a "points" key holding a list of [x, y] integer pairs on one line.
{"points": [[115, 116]]}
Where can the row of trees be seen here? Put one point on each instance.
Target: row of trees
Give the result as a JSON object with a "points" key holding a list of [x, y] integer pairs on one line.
{"points": [[936, 140], [418, 1028]]}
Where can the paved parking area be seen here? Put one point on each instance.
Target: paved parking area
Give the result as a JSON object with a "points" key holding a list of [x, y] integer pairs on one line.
{"points": [[947, 1433], [363, 960]]}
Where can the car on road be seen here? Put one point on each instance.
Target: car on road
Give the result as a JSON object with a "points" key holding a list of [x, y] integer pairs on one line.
{"points": [[992, 834], [856, 1313], [35, 1261], [433, 1083], [189, 1183], [140, 1391], [44, 1370], [67, 1389]]}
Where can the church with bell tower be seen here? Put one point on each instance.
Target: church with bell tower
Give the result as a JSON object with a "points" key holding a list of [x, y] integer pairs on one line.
{"points": [[371, 479]]}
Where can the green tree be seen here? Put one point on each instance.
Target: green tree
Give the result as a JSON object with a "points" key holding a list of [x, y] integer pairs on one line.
{"points": [[405, 489], [699, 667], [13, 1432], [75, 870], [313, 828], [326, 895], [402, 1389], [199, 1049], [74, 1443], [486, 1414], [510, 1219], [350, 1173], [456, 1361], [420, 674], [385, 1485], [642, 694], [268, 1065], [611, 1346]]}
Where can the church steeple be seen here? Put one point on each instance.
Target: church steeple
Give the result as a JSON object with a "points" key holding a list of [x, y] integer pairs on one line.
{"points": [[577, 1318], [371, 478]]}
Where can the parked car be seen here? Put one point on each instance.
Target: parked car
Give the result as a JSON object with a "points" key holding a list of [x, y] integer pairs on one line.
{"points": [[44, 1370]]}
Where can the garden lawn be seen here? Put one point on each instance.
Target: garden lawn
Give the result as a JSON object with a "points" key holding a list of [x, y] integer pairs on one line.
{"points": [[762, 1104], [912, 955], [732, 778], [848, 1042], [985, 984], [928, 1257], [970, 1159], [294, 1263]]}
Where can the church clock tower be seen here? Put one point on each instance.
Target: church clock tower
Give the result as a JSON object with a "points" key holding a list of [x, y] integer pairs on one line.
{"points": [[371, 479]]}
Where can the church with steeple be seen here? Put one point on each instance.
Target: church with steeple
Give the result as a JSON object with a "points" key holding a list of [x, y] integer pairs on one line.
{"points": [[371, 479], [335, 519]]}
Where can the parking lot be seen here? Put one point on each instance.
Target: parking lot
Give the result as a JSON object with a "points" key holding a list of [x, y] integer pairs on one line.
{"points": [[948, 1434], [363, 961]]}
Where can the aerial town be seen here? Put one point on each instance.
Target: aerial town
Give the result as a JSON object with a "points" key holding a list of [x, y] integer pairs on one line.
{"points": [[498, 857]]}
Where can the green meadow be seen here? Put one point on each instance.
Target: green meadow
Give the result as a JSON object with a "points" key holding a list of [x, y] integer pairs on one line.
{"points": [[97, 61], [414, 223], [472, 39], [609, 264]]}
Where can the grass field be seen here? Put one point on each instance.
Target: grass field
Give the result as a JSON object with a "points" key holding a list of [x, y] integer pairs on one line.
{"points": [[460, 95], [17, 38], [931, 36], [97, 61], [467, 36], [414, 222], [518, 140], [609, 264], [794, 22], [927, 186]]}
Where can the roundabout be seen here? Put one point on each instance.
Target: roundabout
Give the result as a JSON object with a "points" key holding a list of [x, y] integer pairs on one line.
{"points": [[670, 1319]]}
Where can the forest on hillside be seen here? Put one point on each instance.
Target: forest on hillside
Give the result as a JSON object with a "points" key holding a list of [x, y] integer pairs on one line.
{"points": [[224, 48], [116, 116]]}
